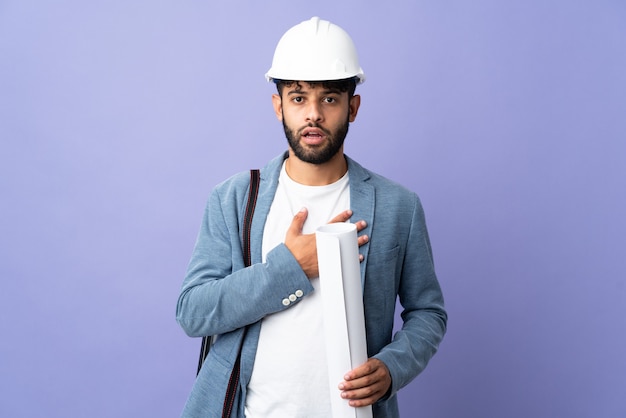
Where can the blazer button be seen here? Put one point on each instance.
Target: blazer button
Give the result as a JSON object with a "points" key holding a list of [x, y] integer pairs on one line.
{"points": [[286, 302], [292, 297], [299, 293]]}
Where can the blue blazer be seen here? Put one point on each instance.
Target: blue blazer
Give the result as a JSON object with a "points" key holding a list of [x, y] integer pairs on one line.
{"points": [[220, 297]]}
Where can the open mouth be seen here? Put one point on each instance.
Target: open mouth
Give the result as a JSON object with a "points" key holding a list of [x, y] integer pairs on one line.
{"points": [[313, 136]]}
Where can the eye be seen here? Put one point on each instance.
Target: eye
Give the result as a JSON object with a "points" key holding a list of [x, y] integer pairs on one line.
{"points": [[329, 99], [298, 99]]}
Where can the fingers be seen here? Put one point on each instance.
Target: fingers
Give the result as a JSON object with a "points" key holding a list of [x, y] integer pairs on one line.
{"points": [[342, 217], [363, 239], [366, 384], [346, 215], [297, 223], [303, 247]]}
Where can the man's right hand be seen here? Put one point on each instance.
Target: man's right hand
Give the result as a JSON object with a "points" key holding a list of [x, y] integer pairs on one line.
{"points": [[304, 247]]}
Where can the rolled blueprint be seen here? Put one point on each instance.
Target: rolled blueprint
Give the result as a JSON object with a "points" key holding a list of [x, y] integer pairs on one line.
{"points": [[342, 301]]}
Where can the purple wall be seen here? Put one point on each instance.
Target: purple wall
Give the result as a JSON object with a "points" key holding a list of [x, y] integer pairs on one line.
{"points": [[508, 118]]}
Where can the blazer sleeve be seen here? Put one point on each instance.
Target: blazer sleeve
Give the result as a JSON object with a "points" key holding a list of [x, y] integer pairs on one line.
{"points": [[423, 314], [218, 294]]}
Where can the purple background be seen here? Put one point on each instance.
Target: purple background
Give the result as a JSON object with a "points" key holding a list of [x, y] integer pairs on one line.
{"points": [[508, 118]]}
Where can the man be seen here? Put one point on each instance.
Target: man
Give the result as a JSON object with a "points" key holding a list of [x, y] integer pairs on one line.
{"points": [[283, 364]]}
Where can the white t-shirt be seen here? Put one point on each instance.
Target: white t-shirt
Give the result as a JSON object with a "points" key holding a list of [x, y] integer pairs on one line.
{"points": [[290, 375]]}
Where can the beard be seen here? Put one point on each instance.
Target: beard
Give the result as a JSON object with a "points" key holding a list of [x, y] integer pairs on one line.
{"points": [[316, 154]]}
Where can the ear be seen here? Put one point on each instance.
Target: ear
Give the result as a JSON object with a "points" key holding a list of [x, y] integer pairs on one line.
{"points": [[355, 103], [278, 106]]}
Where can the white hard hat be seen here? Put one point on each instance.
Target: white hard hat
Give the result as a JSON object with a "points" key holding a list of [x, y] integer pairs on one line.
{"points": [[315, 50]]}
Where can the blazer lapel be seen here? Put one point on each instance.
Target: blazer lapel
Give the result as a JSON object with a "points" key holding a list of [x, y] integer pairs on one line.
{"points": [[362, 203]]}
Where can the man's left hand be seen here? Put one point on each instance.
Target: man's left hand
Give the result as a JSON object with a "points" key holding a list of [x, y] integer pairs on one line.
{"points": [[366, 384]]}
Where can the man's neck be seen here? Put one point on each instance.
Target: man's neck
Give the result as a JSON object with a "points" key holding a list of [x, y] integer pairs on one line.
{"points": [[316, 174]]}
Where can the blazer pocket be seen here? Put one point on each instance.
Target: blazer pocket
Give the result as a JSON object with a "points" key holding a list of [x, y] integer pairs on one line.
{"points": [[386, 258], [380, 281], [380, 273]]}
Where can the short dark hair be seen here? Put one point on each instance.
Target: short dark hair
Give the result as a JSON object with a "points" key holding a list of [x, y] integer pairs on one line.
{"points": [[344, 85]]}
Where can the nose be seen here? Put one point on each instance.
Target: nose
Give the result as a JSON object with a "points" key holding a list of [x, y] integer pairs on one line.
{"points": [[314, 112]]}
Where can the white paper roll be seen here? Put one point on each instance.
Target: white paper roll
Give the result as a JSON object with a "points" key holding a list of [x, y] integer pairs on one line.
{"points": [[342, 301]]}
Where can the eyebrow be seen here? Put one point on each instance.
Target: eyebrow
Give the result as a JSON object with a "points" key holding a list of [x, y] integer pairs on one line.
{"points": [[324, 92]]}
